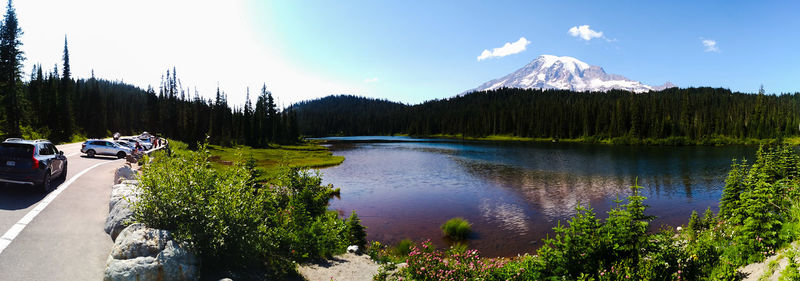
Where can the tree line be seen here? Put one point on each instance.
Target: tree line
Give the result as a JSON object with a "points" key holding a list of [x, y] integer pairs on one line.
{"points": [[54, 105], [686, 114]]}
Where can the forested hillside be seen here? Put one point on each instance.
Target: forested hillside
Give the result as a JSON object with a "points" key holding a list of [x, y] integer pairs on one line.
{"points": [[351, 116], [692, 114]]}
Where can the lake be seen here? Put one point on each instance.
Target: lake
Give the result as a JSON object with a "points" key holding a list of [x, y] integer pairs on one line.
{"points": [[514, 193]]}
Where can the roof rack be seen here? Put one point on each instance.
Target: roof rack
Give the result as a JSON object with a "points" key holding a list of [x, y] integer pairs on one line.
{"points": [[41, 140], [14, 139]]}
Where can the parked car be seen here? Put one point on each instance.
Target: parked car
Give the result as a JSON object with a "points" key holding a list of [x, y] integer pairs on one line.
{"points": [[125, 144], [31, 162], [146, 143], [104, 147], [134, 141]]}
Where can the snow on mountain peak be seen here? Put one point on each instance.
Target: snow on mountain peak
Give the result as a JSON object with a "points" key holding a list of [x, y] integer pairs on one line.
{"points": [[565, 73]]}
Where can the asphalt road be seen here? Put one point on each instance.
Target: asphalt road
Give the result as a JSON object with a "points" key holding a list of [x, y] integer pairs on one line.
{"points": [[58, 236]]}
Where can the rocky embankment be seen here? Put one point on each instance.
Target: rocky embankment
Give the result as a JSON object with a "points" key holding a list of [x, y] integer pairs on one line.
{"points": [[140, 252], [144, 253]]}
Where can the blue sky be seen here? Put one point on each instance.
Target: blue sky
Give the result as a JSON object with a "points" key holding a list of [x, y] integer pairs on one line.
{"points": [[425, 50], [411, 51]]}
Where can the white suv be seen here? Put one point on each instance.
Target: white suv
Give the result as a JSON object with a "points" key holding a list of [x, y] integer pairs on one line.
{"points": [[103, 147]]}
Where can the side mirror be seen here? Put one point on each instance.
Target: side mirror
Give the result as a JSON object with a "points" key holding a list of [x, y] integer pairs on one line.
{"points": [[61, 153]]}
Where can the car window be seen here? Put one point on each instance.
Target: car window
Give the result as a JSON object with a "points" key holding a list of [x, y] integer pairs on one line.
{"points": [[16, 150], [45, 150], [110, 144], [53, 148]]}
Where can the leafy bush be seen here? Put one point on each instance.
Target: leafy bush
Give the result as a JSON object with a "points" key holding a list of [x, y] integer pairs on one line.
{"points": [[791, 271], [456, 229], [377, 252], [403, 248], [426, 263], [231, 221]]}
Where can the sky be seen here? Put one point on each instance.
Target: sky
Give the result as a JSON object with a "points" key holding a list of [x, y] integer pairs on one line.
{"points": [[410, 51]]}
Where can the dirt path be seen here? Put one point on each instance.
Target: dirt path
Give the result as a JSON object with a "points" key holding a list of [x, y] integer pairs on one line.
{"points": [[347, 267], [770, 268]]}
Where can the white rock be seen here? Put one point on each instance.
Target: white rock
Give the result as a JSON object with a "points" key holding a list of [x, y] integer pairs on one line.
{"points": [[352, 248], [142, 253], [124, 173], [679, 229], [130, 182], [120, 213]]}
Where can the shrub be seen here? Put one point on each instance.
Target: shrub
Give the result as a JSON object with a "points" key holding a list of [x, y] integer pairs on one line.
{"points": [[427, 263], [456, 229], [232, 222], [377, 252], [403, 248], [791, 271]]}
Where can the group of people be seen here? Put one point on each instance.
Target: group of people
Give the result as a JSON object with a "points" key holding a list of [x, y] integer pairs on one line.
{"points": [[139, 149]]}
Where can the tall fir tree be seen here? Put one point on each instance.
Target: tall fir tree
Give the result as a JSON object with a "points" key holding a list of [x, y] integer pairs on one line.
{"points": [[67, 72], [11, 58], [64, 103]]}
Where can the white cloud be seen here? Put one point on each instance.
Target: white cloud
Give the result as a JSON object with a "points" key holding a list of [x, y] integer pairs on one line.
{"points": [[507, 49], [114, 39], [711, 45], [585, 33], [371, 80]]}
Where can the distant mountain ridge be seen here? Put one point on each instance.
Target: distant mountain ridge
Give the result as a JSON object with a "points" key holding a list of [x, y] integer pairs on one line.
{"points": [[566, 73]]}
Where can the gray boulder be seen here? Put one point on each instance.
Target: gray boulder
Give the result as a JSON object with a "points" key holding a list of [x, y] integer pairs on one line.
{"points": [[142, 253], [124, 173], [120, 213], [121, 193], [119, 216]]}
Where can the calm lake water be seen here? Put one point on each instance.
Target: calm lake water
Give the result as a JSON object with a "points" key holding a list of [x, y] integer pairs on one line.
{"points": [[515, 193]]}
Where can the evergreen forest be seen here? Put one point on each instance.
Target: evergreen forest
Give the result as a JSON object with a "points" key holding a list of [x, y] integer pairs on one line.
{"points": [[671, 116]]}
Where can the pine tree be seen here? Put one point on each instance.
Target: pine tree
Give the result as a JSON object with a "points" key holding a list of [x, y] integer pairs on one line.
{"points": [[273, 119], [262, 126], [67, 73], [356, 233], [11, 58], [64, 112], [247, 122]]}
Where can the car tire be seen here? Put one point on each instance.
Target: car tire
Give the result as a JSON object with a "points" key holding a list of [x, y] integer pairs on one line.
{"points": [[46, 185], [120, 155], [90, 153]]}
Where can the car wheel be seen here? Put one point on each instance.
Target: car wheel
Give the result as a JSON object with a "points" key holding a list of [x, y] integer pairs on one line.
{"points": [[120, 155], [46, 185], [63, 174], [90, 153]]}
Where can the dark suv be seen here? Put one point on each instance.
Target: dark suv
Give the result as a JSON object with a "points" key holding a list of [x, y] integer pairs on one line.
{"points": [[31, 162]]}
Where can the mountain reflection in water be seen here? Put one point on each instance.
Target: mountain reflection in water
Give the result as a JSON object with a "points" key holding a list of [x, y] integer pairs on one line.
{"points": [[515, 193]]}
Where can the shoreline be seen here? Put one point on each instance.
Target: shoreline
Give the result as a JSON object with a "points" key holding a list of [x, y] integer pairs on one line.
{"points": [[630, 141]]}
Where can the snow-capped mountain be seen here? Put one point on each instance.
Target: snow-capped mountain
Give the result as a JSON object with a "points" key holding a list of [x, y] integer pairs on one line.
{"points": [[566, 73]]}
